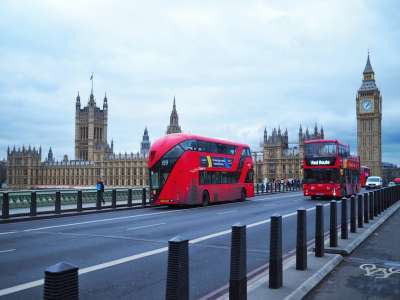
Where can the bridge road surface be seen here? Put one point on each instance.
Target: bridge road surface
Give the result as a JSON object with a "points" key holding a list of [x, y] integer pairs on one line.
{"points": [[123, 254]]}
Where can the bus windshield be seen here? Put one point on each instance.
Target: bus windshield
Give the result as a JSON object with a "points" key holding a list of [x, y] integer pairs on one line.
{"points": [[320, 149], [321, 175]]}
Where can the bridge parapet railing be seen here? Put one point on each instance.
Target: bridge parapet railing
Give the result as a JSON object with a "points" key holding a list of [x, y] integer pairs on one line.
{"points": [[23, 203]]}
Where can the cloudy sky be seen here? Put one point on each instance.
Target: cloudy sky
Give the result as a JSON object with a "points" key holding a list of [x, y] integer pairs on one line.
{"points": [[234, 67]]}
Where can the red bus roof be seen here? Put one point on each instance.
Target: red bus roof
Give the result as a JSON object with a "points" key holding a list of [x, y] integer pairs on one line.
{"points": [[165, 143], [324, 141]]}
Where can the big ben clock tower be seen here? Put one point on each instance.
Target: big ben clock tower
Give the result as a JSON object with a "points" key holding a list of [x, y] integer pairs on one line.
{"points": [[369, 122]]}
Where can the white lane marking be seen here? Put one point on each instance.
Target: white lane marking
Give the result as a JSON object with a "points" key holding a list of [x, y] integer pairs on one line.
{"points": [[268, 198], [8, 250], [28, 285], [9, 232], [21, 287], [98, 221], [226, 212], [145, 226]]}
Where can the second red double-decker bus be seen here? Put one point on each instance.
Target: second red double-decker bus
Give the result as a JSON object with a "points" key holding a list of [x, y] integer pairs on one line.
{"points": [[187, 169], [364, 174], [330, 170]]}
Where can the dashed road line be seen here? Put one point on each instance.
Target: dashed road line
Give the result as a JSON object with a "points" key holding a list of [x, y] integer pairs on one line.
{"points": [[145, 226], [8, 250]]}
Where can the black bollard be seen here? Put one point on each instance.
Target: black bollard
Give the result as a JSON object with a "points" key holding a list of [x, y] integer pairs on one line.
{"points": [[256, 188], [333, 236], [301, 241], [238, 270], [5, 208], [144, 196], [319, 231], [57, 207], [275, 253], [129, 197], [33, 208], [366, 208], [344, 229], [61, 282], [371, 205], [360, 211], [353, 221], [114, 198], [178, 270], [98, 199], [375, 197], [79, 201]]}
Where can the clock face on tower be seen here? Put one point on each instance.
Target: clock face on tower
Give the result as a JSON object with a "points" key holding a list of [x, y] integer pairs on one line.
{"points": [[366, 105]]}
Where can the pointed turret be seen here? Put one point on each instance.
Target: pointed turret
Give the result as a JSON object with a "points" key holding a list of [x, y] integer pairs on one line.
{"points": [[315, 130], [322, 133], [78, 101], [105, 101], [265, 135], [368, 67], [173, 126], [50, 157], [145, 145]]}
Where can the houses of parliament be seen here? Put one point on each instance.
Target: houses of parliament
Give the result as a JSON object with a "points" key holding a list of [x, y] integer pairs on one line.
{"points": [[94, 156]]}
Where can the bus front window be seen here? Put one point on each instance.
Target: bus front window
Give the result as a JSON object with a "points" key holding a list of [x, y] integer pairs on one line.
{"points": [[320, 149]]}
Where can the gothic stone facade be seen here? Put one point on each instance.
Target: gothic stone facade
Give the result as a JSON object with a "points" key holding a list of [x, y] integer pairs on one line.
{"points": [[94, 157], [280, 161], [369, 122]]}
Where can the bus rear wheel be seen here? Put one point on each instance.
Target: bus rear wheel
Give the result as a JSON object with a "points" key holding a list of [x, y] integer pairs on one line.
{"points": [[206, 199], [243, 195]]}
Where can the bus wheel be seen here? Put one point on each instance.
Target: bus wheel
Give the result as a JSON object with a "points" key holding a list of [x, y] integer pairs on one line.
{"points": [[243, 195], [206, 198]]}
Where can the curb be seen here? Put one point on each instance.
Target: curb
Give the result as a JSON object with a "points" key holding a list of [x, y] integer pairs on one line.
{"points": [[350, 245], [315, 279]]}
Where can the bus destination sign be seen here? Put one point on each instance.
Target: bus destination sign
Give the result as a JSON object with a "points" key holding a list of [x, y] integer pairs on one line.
{"points": [[215, 162], [322, 161]]}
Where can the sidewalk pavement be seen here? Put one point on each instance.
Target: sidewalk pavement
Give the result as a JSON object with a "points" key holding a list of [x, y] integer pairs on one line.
{"points": [[372, 271]]}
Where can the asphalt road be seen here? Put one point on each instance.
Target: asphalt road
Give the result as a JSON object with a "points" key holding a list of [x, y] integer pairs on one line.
{"points": [[123, 255]]}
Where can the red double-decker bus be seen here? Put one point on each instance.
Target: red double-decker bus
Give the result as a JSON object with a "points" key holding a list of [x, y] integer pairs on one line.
{"points": [[364, 174], [330, 170], [187, 169]]}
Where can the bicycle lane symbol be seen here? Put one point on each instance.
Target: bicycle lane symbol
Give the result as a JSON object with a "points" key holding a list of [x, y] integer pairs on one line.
{"points": [[372, 271]]}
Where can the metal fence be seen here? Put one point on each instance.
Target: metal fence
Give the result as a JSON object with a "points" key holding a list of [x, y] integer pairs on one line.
{"points": [[276, 187], [39, 202]]}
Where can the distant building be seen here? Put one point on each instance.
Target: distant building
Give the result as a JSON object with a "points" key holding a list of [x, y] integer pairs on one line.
{"points": [[369, 122], [173, 126], [390, 171], [94, 157], [279, 159]]}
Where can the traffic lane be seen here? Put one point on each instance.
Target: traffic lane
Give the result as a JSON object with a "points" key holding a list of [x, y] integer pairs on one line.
{"points": [[69, 252], [136, 225], [72, 246], [112, 215], [219, 279], [146, 278]]}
